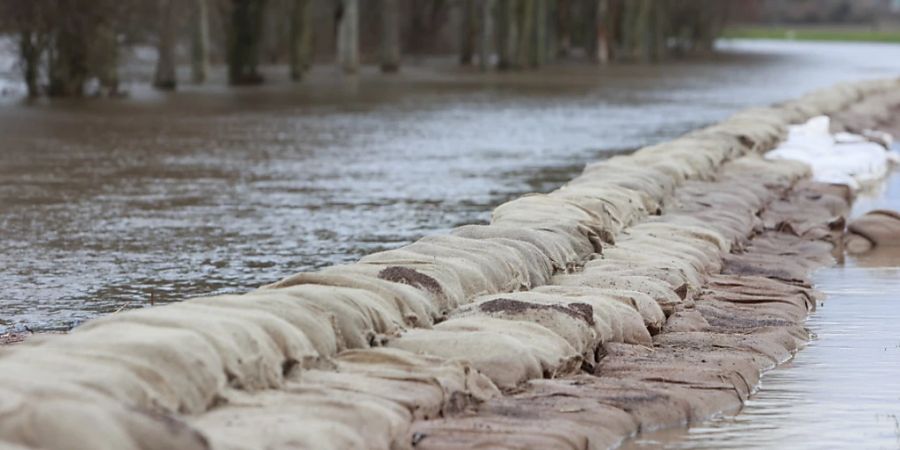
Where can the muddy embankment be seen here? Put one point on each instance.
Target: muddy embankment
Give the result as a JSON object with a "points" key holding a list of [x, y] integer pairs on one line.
{"points": [[650, 291]]}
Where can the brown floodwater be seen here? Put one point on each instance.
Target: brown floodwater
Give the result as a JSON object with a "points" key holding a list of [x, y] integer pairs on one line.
{"points": [[107, 203], [842, 390]]}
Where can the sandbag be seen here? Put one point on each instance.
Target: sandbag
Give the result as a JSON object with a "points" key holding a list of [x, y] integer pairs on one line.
{"points": [[879, 228]]}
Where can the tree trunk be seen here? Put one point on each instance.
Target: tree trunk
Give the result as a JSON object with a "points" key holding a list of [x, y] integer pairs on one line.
{"points": [[244, 36], [467, 33], [390, 36], [487, 34], [164, 78], [564, 27], [105, 58], [200, 42], [348, 36], [630, 31], [30, 51], [67, 69], [526, 33], [301, 38], [539, 43], [507, 32], [603, 31]]}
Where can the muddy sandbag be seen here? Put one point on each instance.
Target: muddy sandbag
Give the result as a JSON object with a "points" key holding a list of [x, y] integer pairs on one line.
{"points": [[508, 352], [687, 320], [651, 313], [452, 272], [572, 321], [439, 284], [561, 246], [879, 228], [305, 417], [417, 307], [513, 265], [615, 319]]}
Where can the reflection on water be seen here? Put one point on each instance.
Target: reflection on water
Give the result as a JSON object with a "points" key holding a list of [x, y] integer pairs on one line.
{"points": [[105, 203], [843, 390]]}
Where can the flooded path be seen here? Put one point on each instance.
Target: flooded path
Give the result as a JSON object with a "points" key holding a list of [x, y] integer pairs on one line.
{"points": [[842, 390], [105, 203]]}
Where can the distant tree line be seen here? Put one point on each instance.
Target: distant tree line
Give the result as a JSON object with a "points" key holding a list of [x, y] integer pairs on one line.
{"points": [[64, 44]]}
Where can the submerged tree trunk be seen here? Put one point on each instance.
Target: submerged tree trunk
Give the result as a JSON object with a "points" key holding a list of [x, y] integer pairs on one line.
{"points": [[67, 69], [164, 78], [104, 58], [525, 45], [348, 36], [604, 36], [507, 31], [486, 30], [244, 36], [390, 36], [301, 38], [539, 42], [563, 28], [200, 42], [468, 30], [30, 51]]}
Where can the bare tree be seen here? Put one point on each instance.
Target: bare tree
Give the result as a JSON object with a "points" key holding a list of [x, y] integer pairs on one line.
{"points": [[164, 77], [200, 42], [390, 36]]}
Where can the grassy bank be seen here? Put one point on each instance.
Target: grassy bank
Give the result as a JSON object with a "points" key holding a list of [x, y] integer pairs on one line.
{"points": [[850, 34]]}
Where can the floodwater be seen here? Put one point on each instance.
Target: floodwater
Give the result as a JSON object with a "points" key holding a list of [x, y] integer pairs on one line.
{"points": [[843, 390], [105, 204]]}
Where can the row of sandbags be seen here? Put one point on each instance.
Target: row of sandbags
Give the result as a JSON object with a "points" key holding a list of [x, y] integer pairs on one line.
{"points": [[134, 372], [510, 338]]}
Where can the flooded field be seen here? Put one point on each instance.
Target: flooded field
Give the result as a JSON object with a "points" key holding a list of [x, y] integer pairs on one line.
{"points": [[841, 391], [105, 204]]}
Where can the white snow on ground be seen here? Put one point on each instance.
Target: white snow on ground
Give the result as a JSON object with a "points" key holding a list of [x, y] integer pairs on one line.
{"points": [[841, 158]]}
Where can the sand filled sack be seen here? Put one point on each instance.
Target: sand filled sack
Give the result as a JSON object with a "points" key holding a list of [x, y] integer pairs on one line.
{"points": [[565, 247], [543, 211], [305, 416], [572, 321], [652, 316], [667, 298], [55, 419], [508, 352], [426, 385], [418, 307], [879, 228]]}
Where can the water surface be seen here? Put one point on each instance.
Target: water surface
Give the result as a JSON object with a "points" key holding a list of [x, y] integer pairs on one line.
{"points": [[105, 203]]}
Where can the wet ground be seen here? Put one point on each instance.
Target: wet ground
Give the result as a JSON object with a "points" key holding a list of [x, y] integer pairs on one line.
{"points": [[841, 391], [105, 204]]}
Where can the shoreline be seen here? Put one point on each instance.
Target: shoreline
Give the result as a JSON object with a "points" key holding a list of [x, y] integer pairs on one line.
{"points": [[440, 342]]}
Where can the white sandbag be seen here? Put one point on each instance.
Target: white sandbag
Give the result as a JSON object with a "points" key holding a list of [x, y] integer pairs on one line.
{"points": [[836, 161]]}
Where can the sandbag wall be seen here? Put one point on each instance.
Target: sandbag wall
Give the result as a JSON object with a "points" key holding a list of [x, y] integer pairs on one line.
{"points": [[350, 356]]}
